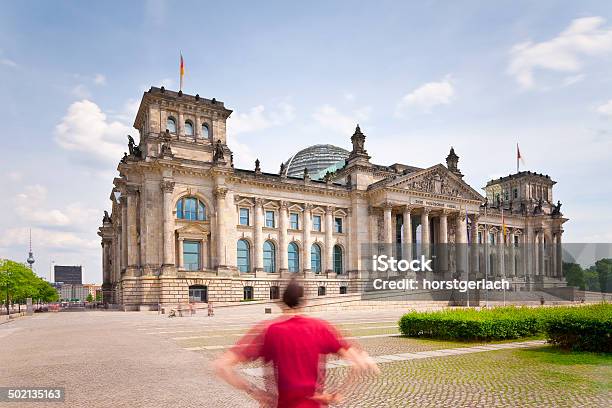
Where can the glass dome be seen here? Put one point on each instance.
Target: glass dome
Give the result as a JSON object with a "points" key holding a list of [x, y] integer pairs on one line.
{"points": [[316, 158]]}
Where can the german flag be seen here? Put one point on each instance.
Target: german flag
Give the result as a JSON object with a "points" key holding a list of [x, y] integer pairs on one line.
{"points": [[182, 72]]}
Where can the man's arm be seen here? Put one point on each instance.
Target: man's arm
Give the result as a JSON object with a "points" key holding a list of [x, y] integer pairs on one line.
{"points": [[224, 367]]}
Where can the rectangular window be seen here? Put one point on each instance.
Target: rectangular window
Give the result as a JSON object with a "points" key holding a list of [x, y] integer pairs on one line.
{"points": [[515, 193], [244, 216], [274, 292], [491, 238], [270, 219], [338, 225], [316, 223], [247, 293], [191, 255], [480, 237], [516, 240], [321, 291], [343, 290], [198, 294], [294, 221]]}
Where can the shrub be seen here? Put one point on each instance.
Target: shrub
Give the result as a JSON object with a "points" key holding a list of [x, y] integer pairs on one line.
{"points": [[586, 328], [580, 328]]}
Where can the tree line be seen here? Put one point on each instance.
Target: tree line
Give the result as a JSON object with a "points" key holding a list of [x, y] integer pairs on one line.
{"points": [[18, 282], [597, 277]]}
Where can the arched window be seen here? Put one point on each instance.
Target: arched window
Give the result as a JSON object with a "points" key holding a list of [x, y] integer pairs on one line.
{"points": [[269, 257], [293, 257], [205, 131], [188, 128], [338, 259], [244, 256], [190, 208], [315, 258], [171, 125]]}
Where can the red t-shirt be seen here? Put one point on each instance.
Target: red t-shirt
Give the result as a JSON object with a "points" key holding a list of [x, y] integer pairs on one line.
{"points": [[296, 346]]}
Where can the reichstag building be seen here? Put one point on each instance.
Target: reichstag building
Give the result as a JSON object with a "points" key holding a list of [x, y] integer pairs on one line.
{"points": [[187, 226]]}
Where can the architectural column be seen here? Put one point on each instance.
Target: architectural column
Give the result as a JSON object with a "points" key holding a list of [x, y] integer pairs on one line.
{"points": [[282, 239], [559, 255], [198, 128], [511, 254], [474, 267], [168, 266], [537, 252], [443, 241], [329, 239], [221, 255], [124, 233], [388, 225], [407, 233], [105, 262], [258, 235], [181, 125], [425, 231], [501, 244], [132, 232], [461, 243], [181, 258], [307, 225]]}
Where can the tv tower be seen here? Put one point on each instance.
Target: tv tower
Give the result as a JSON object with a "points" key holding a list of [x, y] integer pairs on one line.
{"points": [[30, 259]]}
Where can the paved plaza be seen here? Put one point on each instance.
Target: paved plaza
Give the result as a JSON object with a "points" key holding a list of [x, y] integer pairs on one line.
{"points": [[110, 359]]}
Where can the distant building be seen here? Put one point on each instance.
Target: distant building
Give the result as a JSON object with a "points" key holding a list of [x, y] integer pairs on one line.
{"points": [[92, 289], [69, 292], [68, 274]]}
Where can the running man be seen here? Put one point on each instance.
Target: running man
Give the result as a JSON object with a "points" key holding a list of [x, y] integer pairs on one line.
{"points": [[296, 346]]}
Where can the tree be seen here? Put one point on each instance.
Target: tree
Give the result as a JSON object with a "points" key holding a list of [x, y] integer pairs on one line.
{"points": [[98, 297], [574, 275], [90, 298], [604, 273]]}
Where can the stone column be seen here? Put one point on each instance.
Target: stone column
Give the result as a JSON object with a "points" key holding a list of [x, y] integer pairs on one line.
{"points": [[181, 125], [198, 128], [501, 245], [132, 232], [220, 193], [282, 239], [461, 241], [181, 256], [511, 254], [425, 231], [474, 248], [559, 255], [258, 236], [307, 227], [443, 241], [388, 226], [124, 232], [407, 233], [537, 253], [168, 266], [329, 239]]}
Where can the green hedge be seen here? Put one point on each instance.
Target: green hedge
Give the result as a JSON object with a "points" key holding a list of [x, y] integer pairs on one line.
{"points": [[580, 328]]}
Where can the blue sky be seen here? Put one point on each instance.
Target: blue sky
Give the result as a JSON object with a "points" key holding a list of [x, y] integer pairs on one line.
{"points": [[418, 76]]}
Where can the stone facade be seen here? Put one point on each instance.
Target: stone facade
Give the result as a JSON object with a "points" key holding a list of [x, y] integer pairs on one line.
{"points": [[182, 216]]}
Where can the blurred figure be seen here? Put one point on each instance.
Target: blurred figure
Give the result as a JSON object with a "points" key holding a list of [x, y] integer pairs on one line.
{"points": [[211, 311], [296, 347]]}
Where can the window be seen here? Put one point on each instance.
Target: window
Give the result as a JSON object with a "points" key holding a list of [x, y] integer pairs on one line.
{"points": [[515, 193], [190, 208], [491, 238], [338, 259], [269, 257], [244, 256], [294, 221], [338, 225], [205, 131], [244, 216], [316, 223], [315, 258], [171, 125], [198, 293], [247, 293], [188, 128], [293, 257], [343, 290], [516, 240], [274, 292], [191, 255], [321, 291], [270, 219]]}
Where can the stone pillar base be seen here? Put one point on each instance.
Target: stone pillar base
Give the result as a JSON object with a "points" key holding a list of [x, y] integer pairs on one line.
{"points": [[259, 273], [168, 270], [132, 271], [223, 270], [331, 275]]}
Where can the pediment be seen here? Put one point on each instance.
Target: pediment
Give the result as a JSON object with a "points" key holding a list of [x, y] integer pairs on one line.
{"points": [[192, 229], [437, 180]]}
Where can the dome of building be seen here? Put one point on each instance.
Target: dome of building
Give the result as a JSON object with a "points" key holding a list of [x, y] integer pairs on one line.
{"points": [[315, 158]]}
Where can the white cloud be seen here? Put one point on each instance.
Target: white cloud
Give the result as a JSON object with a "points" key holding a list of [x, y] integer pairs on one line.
{"points": [[427, 96], [99, 79], [605, 109], [257, 118], [329, 117], [85, 129], [564, 53], [42, 238], [8, 62]]}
